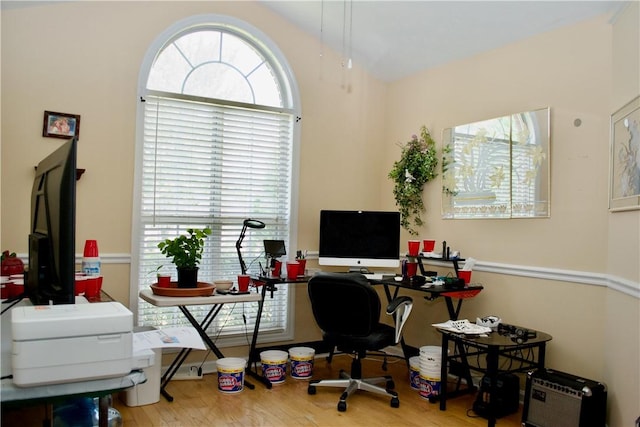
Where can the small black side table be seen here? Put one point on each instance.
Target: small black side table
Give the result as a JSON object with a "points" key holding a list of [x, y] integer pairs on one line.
{"points": [[493, 346]]}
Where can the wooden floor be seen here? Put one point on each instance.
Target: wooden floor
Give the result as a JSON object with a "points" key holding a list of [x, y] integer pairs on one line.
{"points": [[199, 403]]}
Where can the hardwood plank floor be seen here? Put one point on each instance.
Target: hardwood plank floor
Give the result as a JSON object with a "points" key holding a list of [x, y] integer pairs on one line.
{"points": [[199, 403]]}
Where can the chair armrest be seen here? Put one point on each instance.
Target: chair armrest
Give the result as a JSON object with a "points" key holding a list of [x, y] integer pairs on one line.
{"points": [[395, 303], [400, 308]]}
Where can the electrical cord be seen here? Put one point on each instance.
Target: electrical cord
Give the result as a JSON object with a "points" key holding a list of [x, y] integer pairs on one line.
{"points": [[12, 301], [254, 260], [220, 328]]}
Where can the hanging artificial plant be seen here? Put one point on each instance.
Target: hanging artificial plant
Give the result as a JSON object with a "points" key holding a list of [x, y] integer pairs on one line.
{"points": [[416, 167]]}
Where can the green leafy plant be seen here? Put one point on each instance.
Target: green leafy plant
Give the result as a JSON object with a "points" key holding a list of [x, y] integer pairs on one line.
{"points": [[156, 271], [186, 251], [448, 175], [416, 167]]}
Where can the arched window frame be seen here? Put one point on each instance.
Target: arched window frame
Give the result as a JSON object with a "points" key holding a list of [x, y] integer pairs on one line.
{"points": [[291, 103]]}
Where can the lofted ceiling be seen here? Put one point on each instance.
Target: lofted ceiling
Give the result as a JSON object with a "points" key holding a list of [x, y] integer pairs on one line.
{"points": [[393, 39]]}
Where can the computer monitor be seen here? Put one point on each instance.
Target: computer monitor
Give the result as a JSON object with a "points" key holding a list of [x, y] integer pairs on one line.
{"points": [[359, 239], [52, 237]]}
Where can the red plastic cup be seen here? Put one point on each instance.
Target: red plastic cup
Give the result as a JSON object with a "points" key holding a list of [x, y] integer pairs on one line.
{"points": [[292, 269], [243, 282], [16, 288], [164, 281], [81, 284], [428, 245], [92, 285], [412, 269], [277, 268], [302, 265], [464, 275], [91, 249], [414, 247]]}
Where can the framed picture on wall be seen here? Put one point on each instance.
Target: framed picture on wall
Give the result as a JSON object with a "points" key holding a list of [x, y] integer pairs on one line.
{"points": [[60, 125], [624, 189]]}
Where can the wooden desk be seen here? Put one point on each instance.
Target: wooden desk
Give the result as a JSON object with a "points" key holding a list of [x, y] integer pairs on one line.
{"points": [[216, 302]]}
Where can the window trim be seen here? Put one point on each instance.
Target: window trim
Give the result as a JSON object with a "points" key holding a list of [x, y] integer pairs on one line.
{"points": [[253, 35]]}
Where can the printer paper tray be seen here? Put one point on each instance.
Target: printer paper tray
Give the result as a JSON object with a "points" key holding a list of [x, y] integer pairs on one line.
{"points": [[72, 359]]}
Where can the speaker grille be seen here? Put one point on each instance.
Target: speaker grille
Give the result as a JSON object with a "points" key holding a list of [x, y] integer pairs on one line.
{"points": [[553, 405]]}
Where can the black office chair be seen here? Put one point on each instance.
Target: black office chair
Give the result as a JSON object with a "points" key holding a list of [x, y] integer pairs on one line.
{"points": [[347, 310]]}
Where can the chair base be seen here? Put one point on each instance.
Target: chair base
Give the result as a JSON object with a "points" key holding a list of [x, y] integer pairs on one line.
{"points": [[352, 384]]}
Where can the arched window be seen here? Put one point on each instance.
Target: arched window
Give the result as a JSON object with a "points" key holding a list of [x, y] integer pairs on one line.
{"points": [[216, 143]]}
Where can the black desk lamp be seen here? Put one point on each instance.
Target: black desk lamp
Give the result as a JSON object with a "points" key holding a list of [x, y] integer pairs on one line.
{"points": [[248, 223]]}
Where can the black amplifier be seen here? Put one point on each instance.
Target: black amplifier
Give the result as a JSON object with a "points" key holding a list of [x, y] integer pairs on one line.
{"points": [[558, 399], [506, 399]]}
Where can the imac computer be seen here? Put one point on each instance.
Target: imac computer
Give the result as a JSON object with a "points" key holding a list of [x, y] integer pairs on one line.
{"points": [[51, 274], [359, 239]]}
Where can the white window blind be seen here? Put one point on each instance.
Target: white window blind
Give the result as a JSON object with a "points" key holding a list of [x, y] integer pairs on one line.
{"points": [[215, 148], [213, 165]]}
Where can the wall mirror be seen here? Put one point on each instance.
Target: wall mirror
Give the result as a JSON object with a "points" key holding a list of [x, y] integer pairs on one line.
{"points": [[498, 168]]}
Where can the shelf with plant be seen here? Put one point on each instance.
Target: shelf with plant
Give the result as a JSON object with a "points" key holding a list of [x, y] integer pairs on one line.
{"points": [[417, 166]]}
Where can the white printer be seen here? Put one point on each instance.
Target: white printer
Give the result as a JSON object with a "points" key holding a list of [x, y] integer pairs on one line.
{"points": [[71, 342]]}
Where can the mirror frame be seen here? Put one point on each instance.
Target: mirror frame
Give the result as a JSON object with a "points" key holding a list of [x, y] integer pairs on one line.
{"points": [[498, 168]]}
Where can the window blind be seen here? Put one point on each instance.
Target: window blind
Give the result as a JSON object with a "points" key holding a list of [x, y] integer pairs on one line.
{"points": [[210, 164]]}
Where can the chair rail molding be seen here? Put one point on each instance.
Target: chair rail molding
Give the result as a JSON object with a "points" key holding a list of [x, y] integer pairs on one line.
{"points": [[619, 284]]}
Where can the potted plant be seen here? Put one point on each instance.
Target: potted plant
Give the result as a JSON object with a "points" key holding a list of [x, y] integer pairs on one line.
{"points": [[186, 253], [416, 167]]}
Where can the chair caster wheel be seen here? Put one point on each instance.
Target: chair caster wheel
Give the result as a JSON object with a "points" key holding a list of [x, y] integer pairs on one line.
{"points": [[311, 389], [391, 385], [395, 402], [342, 406]]}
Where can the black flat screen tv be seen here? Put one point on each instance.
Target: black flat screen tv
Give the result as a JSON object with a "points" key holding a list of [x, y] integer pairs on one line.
{"points": [[359, 239], [52, 237]]}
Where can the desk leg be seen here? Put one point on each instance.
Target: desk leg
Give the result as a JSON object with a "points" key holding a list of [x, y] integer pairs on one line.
{"points": [[454, 312], [252, 366], [182, 355], [541, 355], [492, 374], [103, 411], [48, 415], [171, 371], [444, 362], [462, 371], [201, 328]]}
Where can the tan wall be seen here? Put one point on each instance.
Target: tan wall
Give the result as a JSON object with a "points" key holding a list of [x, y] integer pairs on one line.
{"points": [[567, 70], [622, 337], [95, 75], [572, 71], [349, 137]]}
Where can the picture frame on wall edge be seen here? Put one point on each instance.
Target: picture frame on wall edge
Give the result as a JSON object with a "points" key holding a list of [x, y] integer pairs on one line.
{"points": [[60, 125], [624, 169]]}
